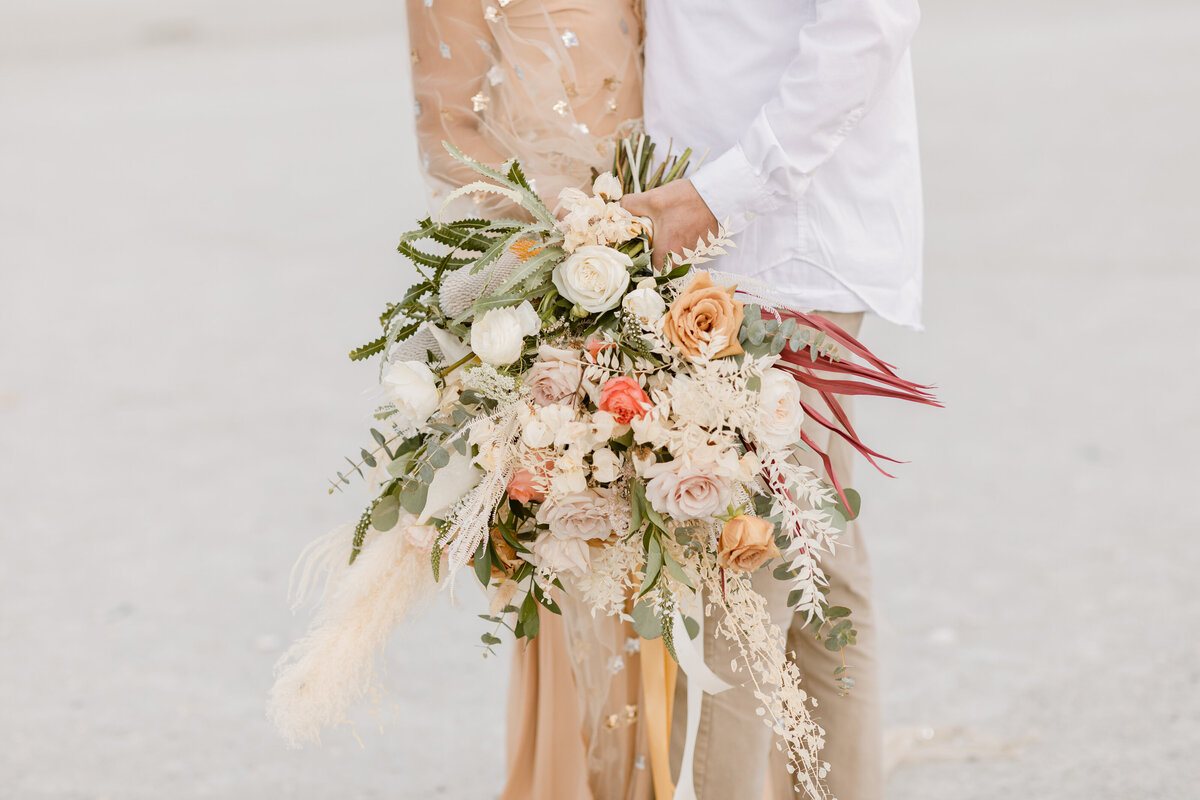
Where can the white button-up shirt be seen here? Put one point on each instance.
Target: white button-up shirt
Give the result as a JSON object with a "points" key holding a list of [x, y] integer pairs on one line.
{"points": [[807, 109]]}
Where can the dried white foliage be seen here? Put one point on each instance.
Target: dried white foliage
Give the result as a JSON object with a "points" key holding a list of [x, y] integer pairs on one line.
{"points": [[321, 676], [762, 645]]}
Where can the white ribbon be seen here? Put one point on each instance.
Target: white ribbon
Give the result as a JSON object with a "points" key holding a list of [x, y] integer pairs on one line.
{"points": [[700, 681]]}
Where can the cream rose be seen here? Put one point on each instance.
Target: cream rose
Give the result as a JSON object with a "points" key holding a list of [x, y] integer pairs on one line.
{"points": [[555, 377], [593, 277], [561, 554], [645, 302], [582, 515], [498, 336], [779, 412], [684, 491], [412, 388], [746, 543]]}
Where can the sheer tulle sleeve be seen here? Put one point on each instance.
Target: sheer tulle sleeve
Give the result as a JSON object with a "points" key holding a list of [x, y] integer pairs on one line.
{"points": [[450, 44], [549, 82]]}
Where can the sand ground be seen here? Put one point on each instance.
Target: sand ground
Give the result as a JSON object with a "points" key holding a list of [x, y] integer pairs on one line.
{"points": [[198, 209]]}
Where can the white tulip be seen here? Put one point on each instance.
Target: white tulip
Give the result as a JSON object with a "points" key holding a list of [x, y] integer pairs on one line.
{"points": [[606, 465], [412, 388], [593, 277], [498, 336], [779, 412]]}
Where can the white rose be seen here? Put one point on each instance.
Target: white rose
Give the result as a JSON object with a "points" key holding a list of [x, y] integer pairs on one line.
{"points": [[593, 277], [606, 465], [412, 387], [498, 337], [607, 186], [645, 303], [779, 412], [685, 491]]}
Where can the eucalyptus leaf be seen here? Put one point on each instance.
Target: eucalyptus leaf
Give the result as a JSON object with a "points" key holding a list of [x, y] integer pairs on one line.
{"points": [[646, 622], [413, 498], [386, 513], [439, 458]]}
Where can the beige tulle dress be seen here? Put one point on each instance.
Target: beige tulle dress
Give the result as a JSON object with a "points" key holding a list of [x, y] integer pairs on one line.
{"points": [[553, 83]]}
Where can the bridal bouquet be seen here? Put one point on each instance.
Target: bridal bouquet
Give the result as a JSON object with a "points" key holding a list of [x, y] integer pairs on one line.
{"points": [[561, 419]]}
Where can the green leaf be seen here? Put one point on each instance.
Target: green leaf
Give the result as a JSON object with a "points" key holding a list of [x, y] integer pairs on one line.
{"points": [[369, 349], [756, 332], [676, 571], [527, 618], [489, 639], [837, 612], [654, 562], [483, 563], [832, 645], [378, 437], [693, 627], [794, 597], [855, 500], [386, 513], [439, 458], [413, 498], [646, 622], [398, 467], [368, 459]]}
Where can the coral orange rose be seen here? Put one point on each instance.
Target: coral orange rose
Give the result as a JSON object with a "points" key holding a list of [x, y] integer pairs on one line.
{"points": [[624, 398]]}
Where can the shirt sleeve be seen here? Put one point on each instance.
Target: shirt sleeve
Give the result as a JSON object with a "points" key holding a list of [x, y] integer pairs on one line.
{"points": [[847, 54]]}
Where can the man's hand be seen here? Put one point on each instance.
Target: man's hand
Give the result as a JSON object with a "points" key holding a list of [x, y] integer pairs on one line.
{"points": [[679, 214]]}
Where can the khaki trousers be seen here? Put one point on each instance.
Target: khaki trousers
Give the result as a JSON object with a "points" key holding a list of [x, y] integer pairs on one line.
{"points": [[735, 751]]}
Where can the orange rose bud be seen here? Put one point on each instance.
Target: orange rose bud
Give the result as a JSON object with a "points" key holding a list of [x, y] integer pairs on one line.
{"points": [[746, 543], [704, 313], [624, 398]]}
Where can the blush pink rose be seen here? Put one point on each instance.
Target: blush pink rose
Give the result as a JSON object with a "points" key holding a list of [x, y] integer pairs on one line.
{"points": [[624, 398], [555, 377], [525, 487]]}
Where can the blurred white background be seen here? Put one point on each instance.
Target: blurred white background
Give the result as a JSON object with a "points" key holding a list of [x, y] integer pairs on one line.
{"points": [[198, 208]]}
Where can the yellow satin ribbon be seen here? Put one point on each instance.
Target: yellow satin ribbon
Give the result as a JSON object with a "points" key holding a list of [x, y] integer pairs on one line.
{"points": [[659, 672]]}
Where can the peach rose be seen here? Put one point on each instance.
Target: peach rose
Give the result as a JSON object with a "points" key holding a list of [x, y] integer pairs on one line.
{"points": [[705, 313], [746, 543], [624, 398], [524, 487]]}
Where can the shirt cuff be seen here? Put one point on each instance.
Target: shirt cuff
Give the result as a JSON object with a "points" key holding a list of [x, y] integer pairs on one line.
{"points": [[732, 189]]}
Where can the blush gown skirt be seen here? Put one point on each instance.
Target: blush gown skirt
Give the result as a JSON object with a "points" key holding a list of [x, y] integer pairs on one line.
{"points": [[575, 731]]}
